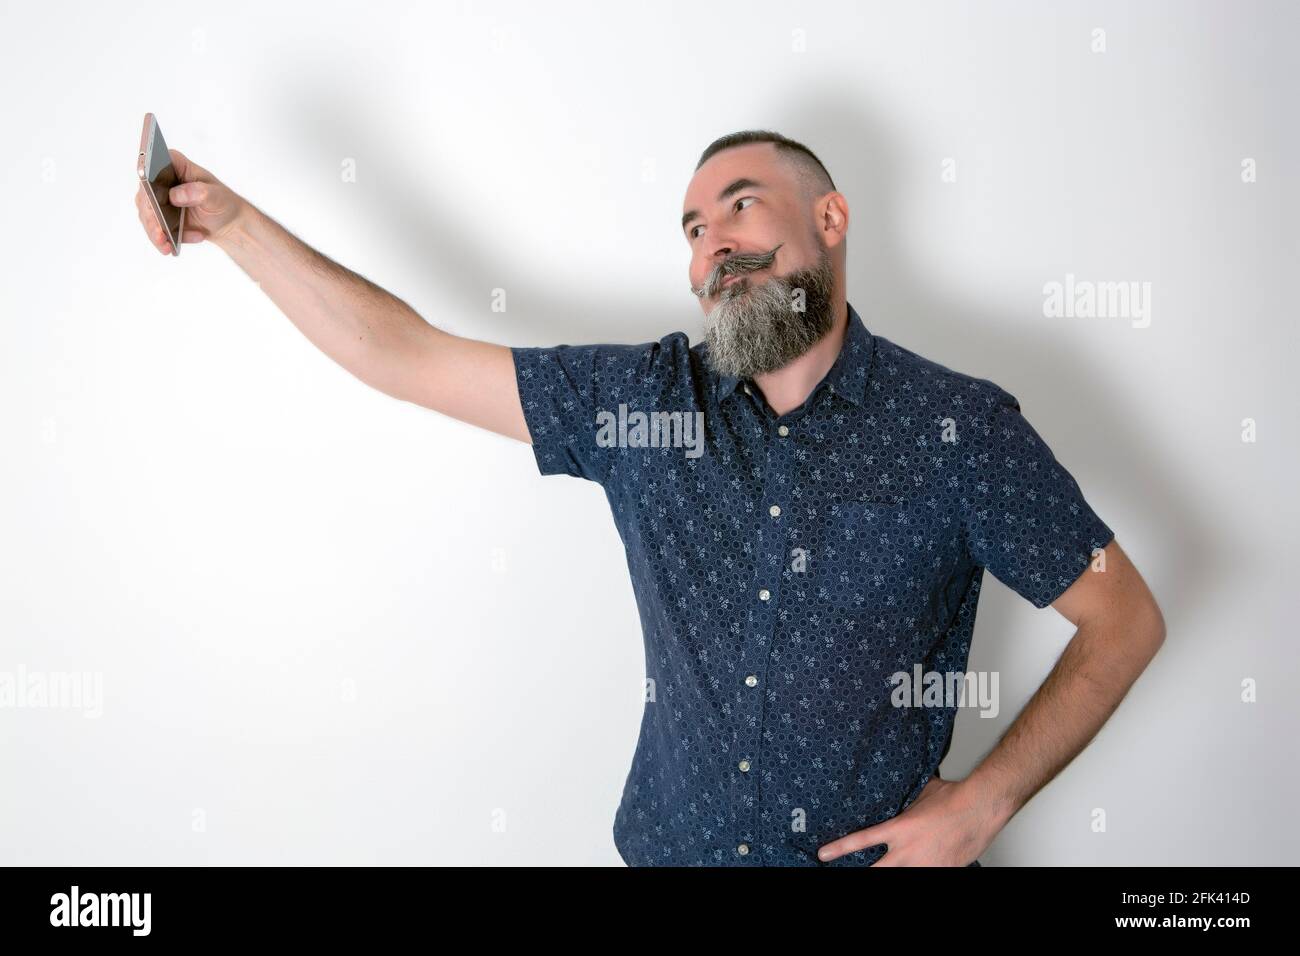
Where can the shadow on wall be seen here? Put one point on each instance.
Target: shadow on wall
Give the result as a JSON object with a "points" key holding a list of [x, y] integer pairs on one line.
{"points": [[1082, 419]]}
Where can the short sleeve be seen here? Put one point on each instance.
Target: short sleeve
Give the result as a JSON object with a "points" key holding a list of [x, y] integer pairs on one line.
{"points": [[1026, 519], [564, 387]]}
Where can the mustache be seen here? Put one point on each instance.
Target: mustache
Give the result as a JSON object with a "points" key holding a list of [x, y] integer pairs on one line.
{"points": [[739, 264]]}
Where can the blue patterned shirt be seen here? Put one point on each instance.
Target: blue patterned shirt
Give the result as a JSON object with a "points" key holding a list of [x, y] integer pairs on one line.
{"points": [[788, 568]]}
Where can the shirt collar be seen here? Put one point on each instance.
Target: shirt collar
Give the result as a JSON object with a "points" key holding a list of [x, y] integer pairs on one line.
{"points": [[847, 376]]}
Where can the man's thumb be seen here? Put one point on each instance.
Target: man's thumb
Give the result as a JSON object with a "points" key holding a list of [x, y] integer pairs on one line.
{"points": [[188, 194]]}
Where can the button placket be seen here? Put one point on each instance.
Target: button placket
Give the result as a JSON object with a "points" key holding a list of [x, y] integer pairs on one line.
{"points": [[756, 652]]}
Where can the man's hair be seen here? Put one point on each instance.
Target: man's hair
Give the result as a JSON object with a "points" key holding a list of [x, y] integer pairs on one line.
{"points": [[812, 175]]}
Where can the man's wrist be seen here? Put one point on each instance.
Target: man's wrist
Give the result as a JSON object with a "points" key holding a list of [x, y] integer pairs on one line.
{"points": [[998, 802], [238, 231]]}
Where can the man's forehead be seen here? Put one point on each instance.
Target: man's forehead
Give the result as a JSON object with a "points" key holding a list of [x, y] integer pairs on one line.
{"points": [[756, 161]]}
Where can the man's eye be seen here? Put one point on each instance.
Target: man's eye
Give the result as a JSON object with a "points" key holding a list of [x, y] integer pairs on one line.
{"points": [[694, 235]]}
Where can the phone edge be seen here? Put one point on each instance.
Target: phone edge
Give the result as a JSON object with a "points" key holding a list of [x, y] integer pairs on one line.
{"points": [[142, 173]]}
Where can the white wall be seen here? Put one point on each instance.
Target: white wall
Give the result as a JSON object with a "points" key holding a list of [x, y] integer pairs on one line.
{"points": [[202, 509]]}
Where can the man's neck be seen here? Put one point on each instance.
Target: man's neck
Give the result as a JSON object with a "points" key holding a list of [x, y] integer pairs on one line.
{"points": [[789, 386]]}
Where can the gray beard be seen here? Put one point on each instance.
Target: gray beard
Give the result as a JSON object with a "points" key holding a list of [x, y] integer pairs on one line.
{"points": [[759, 327]]}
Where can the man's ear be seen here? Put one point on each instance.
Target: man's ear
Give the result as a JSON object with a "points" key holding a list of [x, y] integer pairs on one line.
{"points": [[832, 218]]}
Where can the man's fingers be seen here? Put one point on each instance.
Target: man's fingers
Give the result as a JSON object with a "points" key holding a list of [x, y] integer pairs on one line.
{"points": [[154, 231], [188, 194], [854, 842], [149, 221], [195, 187], [846, 845], [143, 206]]}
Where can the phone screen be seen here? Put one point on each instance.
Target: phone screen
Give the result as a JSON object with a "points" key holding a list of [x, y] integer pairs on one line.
{"points": [[162, 177]]}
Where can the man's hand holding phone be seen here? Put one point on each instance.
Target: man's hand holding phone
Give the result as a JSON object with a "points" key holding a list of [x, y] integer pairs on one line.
{"points": [[211, 208]]}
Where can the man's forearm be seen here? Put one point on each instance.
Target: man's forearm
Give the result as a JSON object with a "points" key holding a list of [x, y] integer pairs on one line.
{"points": [[1096, 670], [362, 327]]}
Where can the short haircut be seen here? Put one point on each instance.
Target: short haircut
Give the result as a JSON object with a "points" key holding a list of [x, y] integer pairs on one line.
{"points": [[809, 171]]}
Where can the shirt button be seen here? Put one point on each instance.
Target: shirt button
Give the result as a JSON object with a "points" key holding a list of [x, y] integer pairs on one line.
{"points": [[744, 766], [764, 594], [774, 511], [746, 388], [783, 431], [743, 849], [751, 681]]}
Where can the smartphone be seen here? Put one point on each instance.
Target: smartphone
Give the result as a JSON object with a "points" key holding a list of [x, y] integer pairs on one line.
{"points": [[157, 177]]}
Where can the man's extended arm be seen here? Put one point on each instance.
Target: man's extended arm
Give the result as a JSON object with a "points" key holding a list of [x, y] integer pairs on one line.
{"points": [[365, 329]]}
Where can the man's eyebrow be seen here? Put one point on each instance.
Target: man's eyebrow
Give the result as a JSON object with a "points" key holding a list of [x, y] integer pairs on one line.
{"points": [[735, 187]]}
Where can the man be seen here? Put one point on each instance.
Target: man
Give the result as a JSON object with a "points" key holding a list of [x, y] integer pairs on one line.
{"points": [[808, 510]]}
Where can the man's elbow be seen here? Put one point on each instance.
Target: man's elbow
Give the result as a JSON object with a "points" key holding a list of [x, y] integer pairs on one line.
{"points": [[1150, 623]]}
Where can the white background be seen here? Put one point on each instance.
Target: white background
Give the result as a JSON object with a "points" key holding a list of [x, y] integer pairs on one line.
{"points": [[205, 510]]}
